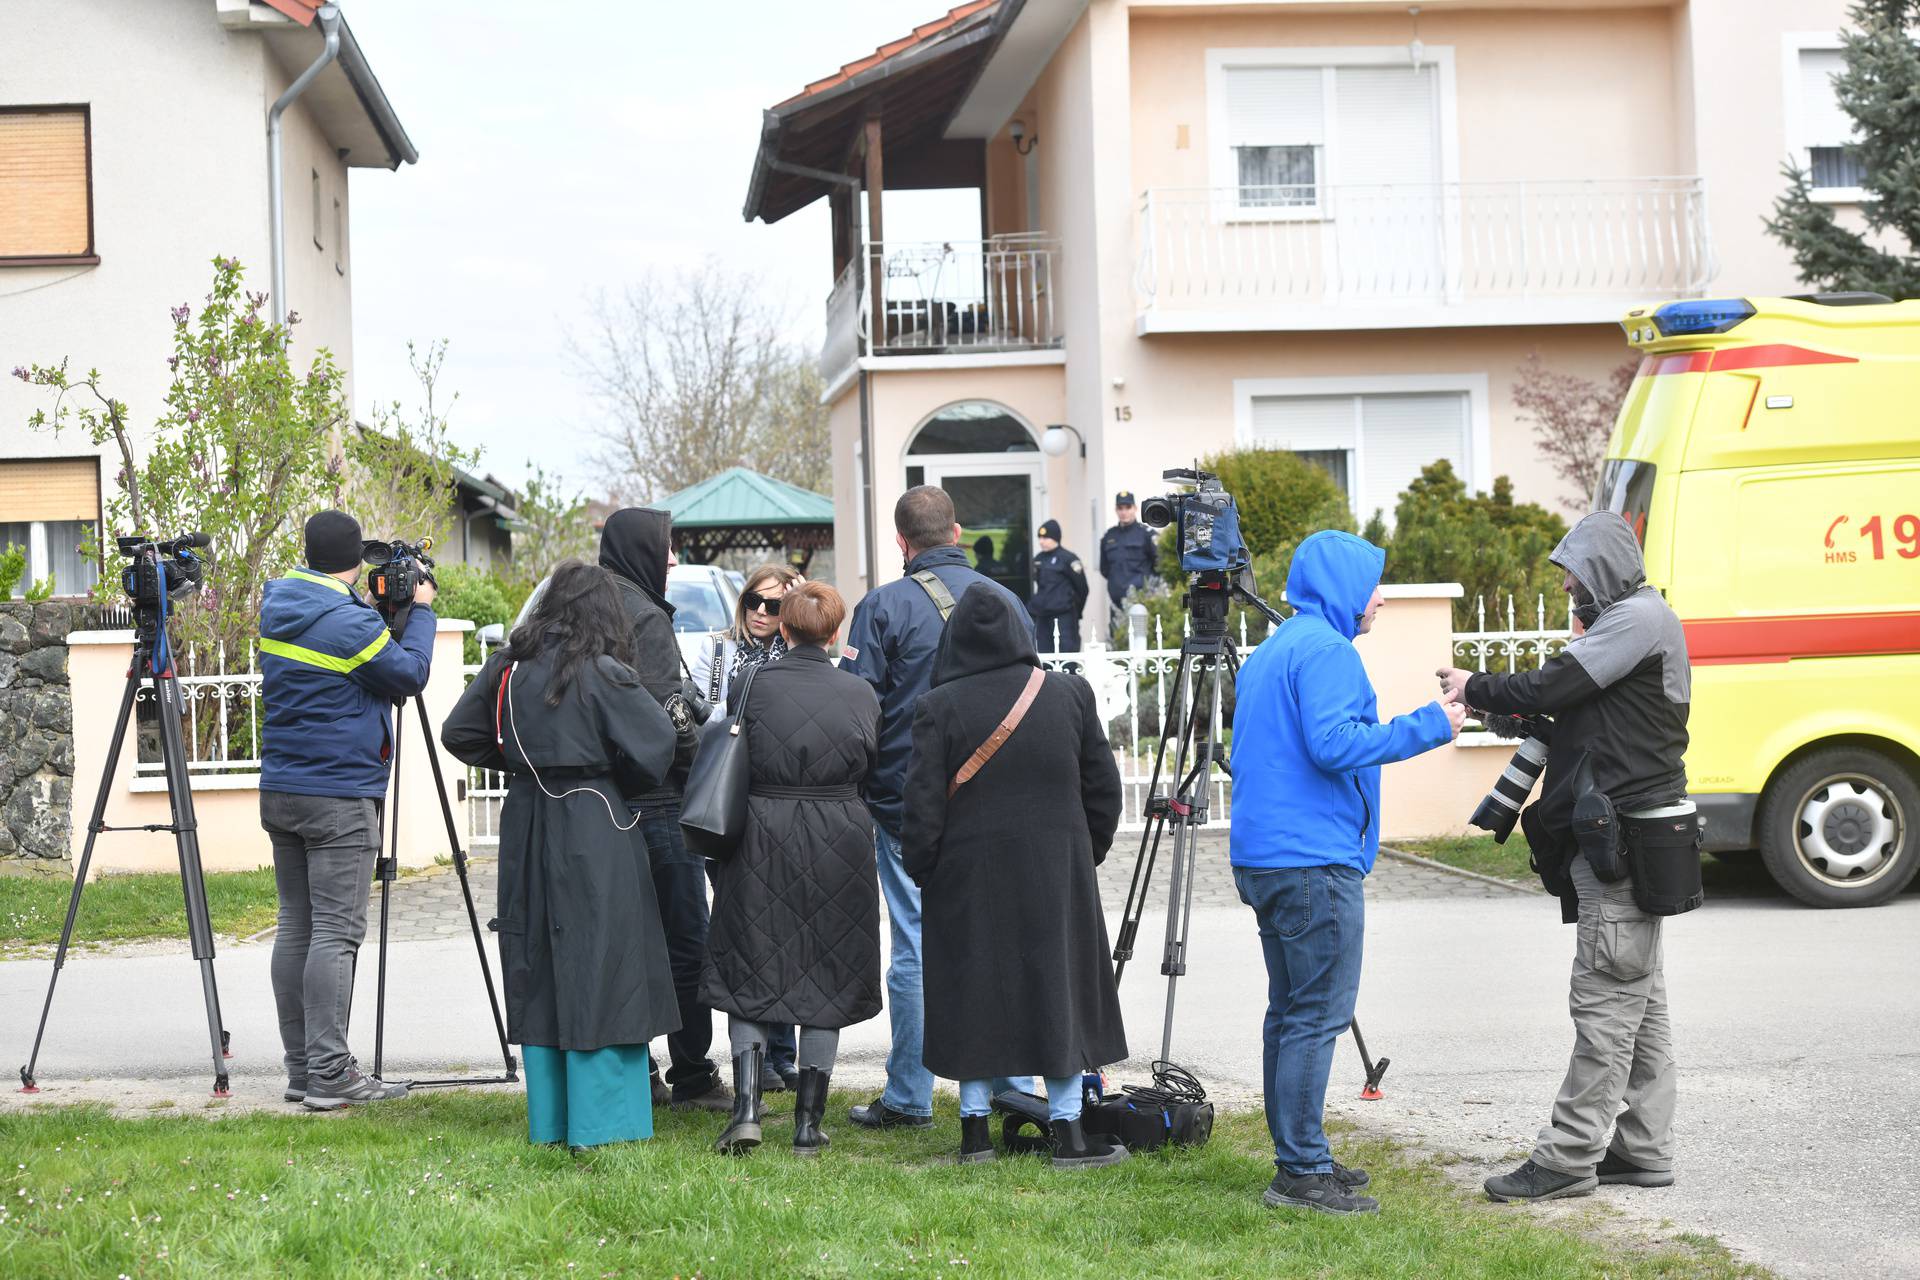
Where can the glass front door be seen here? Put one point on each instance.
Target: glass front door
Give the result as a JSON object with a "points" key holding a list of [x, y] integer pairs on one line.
{"points": [[995, 506]]}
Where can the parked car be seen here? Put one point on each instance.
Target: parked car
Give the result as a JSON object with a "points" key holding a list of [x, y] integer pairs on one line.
{"points": [[1765, 455], [702, 597]]}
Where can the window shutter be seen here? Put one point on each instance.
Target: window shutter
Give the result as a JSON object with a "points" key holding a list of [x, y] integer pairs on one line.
{"points": [[1822, 122], [1401, 434], [1305, 424], [1274, 106], [43, 184], [50, 489], [1384, 129]]}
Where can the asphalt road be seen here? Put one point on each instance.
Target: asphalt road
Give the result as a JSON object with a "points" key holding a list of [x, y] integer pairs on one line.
{"points": [[1798, 1034]]}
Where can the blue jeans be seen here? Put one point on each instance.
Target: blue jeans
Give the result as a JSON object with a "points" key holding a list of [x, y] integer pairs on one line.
{"points": [[1312, 922], [909, 1084], [1063, 1097]]}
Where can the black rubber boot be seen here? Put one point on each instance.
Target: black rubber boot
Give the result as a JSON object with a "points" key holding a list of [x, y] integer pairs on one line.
{"points": [[1073, 1149], [976, 1140], [743, 1130], [809, 1108]]}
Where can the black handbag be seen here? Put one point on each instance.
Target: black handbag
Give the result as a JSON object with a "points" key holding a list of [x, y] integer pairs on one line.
{"points": [[713, 810]]}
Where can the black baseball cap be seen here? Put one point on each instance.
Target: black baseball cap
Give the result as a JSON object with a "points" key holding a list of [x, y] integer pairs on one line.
{"points": [[1050, 529], [1124, 498]]}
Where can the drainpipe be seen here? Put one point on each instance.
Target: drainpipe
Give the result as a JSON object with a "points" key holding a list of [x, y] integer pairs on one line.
{"points": [[329, 17]]}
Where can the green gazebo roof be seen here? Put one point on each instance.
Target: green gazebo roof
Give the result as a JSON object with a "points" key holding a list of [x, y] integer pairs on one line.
{"points": [[740, 499]]}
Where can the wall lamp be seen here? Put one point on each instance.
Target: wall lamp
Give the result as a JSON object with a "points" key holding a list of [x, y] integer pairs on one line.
{"points": [[1054, 442], [1017, 130]]}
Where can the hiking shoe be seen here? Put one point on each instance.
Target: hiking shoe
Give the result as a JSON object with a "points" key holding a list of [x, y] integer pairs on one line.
{"points": [[705, 1095], [878, 1115], [1351, 1179], [296, 1090], [1617, 1170], [1320, 1192], [350, 1089], [1537, 1182]]}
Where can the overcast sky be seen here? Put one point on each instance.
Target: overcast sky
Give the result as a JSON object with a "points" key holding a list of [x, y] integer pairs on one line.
{"points": [[566, 148]]}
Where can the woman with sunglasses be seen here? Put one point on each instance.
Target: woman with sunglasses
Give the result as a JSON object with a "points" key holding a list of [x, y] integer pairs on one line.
{"points": [[754, 638], [725, 658]]}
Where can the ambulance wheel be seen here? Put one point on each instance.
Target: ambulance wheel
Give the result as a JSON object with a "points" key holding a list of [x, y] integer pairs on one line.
{"points": [[1841, 828]]}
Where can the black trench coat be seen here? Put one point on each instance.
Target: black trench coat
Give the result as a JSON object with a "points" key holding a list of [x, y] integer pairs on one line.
{"points": [[1014, 947], [582, 953], [795, 936]]}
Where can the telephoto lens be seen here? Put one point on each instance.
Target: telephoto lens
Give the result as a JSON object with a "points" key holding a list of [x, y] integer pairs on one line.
{"points": [[1501, 808]]}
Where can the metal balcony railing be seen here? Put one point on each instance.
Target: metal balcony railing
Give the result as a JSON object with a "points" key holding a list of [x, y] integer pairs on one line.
{"points": [[1439, 243], [944, 298]]}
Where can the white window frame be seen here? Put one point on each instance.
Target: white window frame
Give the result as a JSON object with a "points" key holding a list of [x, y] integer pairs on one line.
{"points": [[1223, 171], [1792, 45], [40, 558], [1479, 441]]}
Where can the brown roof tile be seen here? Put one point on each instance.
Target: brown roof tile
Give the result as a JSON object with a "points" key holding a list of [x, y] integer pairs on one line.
{"points": [[921, 33]]}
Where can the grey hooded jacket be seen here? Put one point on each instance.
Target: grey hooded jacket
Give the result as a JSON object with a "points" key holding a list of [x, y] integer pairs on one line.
{"points": [[1618, 695]]}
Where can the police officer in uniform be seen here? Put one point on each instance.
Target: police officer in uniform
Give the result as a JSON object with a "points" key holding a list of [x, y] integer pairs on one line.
{"points": [[1059, 593], [1126, 551]]}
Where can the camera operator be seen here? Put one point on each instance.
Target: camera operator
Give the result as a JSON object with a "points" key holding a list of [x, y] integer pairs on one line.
{"points": [[1307, 749], [1618, 694], [330, 672], [637, 546]]}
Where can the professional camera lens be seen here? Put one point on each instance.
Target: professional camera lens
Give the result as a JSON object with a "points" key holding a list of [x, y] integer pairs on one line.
{"points": [[1157, 512], [1501, 807]]}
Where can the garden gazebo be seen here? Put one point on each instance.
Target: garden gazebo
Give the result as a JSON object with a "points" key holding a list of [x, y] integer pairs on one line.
{"points": [[742, 510]]}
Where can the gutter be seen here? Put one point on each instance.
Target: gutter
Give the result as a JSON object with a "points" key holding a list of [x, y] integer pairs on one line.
{"points": [[373, 99], [330, 24]]}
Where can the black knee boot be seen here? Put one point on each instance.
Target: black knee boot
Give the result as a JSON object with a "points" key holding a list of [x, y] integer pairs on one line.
{"points": [[809, 1108], [743, 1130]]}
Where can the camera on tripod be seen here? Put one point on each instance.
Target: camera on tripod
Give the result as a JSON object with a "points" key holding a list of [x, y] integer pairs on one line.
{"points": [[148, 561], [398, 570], [1207, 520]]}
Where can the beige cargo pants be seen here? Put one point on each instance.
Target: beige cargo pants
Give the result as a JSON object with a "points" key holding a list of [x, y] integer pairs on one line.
{"points": [[1622, 1041]]}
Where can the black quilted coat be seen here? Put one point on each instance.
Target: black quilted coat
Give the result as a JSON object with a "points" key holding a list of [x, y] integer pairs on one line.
{"points": [[1018, 979], [795, 936]]}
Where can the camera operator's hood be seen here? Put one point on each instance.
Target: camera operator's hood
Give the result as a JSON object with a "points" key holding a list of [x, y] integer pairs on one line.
{"points": [[634, 545], [1332, 577], [986, 632], [1602, 552]]}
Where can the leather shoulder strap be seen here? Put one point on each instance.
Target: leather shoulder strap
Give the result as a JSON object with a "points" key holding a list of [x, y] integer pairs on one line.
{"points": [[942, 598], [978, 760]]}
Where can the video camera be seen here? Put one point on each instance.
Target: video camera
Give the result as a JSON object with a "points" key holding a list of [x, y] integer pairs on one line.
{"points": [[1208, 523], [150, 561], [398, 570]]}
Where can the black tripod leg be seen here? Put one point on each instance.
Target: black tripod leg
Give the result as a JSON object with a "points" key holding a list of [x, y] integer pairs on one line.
{"points": [[1376, 1071], [193, 883], [94, 824], [1180, 897], [384, 873], [466, 890]]}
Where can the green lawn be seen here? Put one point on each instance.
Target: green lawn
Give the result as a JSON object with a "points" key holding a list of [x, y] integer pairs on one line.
{"points": [[1477, 853], [124, 908], [445, 1185]]}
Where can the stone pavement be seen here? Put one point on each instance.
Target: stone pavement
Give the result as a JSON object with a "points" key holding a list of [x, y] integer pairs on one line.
{"points": [[428, 905]]}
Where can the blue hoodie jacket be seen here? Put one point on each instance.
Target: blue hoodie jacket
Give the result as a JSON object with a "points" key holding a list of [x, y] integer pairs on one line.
{"points": [[330, 673], [1307, 739]]}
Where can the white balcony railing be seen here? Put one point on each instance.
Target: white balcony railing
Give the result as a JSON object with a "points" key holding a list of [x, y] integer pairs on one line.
{"points": [[944, 298], [1437, 243]]}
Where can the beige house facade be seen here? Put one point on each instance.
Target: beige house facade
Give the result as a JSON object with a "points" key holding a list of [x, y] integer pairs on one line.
{"points": [[133, 150], [1339, 228]]}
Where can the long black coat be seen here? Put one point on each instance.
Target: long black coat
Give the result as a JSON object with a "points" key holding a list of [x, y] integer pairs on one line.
{"points": [[795, 936], [1013, 943], [582, 953]]}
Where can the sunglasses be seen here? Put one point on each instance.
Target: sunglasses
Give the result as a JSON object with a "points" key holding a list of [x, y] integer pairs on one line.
{"points": [[753, 600]]}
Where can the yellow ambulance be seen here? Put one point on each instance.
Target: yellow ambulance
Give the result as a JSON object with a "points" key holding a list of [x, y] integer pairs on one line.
{"points": [[1768, 453]]}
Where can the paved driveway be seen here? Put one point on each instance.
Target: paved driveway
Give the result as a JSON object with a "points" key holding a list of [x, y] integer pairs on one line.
{"points": [[1798, 1033]]}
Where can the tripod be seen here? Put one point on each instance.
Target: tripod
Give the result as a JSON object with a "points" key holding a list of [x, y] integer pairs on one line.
{"points": [[1207, 660], [385, 871], [152, 661]]}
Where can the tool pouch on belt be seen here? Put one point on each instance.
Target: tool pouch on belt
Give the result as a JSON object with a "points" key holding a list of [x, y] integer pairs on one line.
{"points": [[1596, 827], [1664, 856]]}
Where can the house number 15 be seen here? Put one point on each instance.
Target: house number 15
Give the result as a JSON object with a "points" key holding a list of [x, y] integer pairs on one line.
{"points": [[1123, 413]]}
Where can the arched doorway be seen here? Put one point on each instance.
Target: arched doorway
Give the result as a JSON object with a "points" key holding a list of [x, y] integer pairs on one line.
{"points": [[988, 460]]}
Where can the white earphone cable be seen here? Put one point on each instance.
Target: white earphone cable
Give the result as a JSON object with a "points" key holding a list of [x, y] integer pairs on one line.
{"points": [[506, 696]]}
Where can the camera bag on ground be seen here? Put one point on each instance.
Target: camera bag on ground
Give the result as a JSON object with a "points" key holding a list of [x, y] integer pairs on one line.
{"points": [[1664, 856], [1173, 1110], [713, 811]]}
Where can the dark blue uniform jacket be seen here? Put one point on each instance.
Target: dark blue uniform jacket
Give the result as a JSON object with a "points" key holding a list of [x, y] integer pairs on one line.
{"points": [[1126, 558]]}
